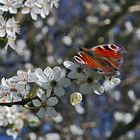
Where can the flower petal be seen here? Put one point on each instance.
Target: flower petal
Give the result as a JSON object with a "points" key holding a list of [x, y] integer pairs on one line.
{"points": [[12, 10], [80, 77], [36, 102], [57, 72], [39, 73], [49, 73], [52, 101], [43, 98], [25, 10], [59, 91], [44, 85], [4, 2], [4, 83], [99, 91], [2, 32], [2, 21], [51, 112], [69, 65], [41, 113], [72, 74], [115, 81], [85, 88], [49, 91], [33, 15], [65, 82], [40, 92]]}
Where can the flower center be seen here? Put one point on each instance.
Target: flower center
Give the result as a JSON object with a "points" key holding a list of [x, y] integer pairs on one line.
{"points": [[90, 79], [79, 70], [53, 83]]}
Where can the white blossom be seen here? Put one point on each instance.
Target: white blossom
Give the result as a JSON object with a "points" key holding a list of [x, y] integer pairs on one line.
{"points": [[52, 80], [123, 117], [76, 70], [9, 27], [52, 136], [24, 77], [67, 40], [89, 80], [8, 115], [46, 105], [11, 116], [79, 109], [16, 129], [15, 117], [10, 43], [39, 7], [76, 130], [32, 7], [45, 8], [53, 3], [22, 49], [111, 83], [10, 5], [91, 83], [58, 118], [13, 91]]}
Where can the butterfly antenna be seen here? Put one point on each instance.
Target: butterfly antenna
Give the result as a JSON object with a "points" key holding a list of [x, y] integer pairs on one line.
{"points": [[124, 51], [85, 50]]}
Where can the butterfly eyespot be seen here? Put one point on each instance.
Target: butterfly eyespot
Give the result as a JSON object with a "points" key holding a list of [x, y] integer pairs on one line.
{"points": [[113, 47]]}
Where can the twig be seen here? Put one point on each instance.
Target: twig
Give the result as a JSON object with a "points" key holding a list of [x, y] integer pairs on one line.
{"points": [[103, 30], [23, 102], [121, 130]]}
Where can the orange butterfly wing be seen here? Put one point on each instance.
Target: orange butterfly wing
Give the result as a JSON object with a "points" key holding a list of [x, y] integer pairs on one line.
{"points": [[108, 51], [107, 58], [94, 63]]}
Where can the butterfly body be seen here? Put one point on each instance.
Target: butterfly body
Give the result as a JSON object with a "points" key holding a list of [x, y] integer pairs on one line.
{"points": [[106, 59]]}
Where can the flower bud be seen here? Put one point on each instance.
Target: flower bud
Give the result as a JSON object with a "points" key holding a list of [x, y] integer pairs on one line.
{"points": [[75, 98]]}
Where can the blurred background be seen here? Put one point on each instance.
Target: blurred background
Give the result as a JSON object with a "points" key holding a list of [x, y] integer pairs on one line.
{"points": [[50, 41]]}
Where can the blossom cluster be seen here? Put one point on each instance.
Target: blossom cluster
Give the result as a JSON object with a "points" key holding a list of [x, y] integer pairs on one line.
{"points": [[44, 88], [52, 82], [89, 80], [14, 117], [9, 28]]}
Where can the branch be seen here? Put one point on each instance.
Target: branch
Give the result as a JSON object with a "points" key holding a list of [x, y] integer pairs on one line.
{"points": [[23, 102], [121, 130], [103, 30]]}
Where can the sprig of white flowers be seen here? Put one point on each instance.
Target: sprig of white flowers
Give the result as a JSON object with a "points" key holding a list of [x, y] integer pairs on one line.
{"points": [[10, 27], [14, 117], [53, 82], [50, 85]]}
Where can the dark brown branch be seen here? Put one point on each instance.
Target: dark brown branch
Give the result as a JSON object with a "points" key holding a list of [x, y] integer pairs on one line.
{"points": [[103, 30], [23, 102], [121, 130]]}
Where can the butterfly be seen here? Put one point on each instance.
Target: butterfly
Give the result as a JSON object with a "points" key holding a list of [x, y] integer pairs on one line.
{"points": [[105, 59]]}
